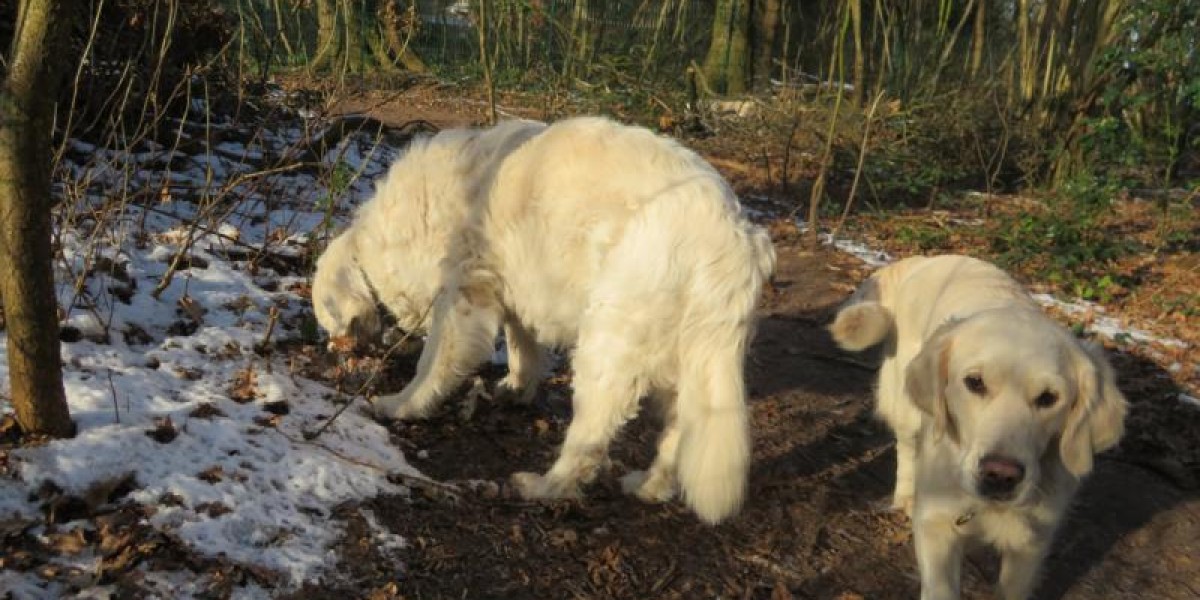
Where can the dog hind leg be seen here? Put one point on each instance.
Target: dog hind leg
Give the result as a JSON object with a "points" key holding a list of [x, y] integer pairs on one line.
{"points": [[657, 484], [526, 363], [606, 396]]}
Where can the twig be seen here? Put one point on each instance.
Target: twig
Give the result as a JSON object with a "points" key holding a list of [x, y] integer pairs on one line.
{"points": [[113, 388], [862, 155], [312, 435], [273, 318]]}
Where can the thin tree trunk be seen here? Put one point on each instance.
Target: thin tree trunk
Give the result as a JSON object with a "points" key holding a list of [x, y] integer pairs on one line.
{"points": [[718, 48], [328, 35], [979, 37], [768, 26], [399, 47], [351, 46], [26, 272], [485, 63], [727, 61], [859, 67]]}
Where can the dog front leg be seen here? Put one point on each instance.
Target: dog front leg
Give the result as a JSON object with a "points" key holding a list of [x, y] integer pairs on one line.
{"points": [[461, 337], [1019, 569], [939, 557], [906, 459], [605, 398], [525, 364]]}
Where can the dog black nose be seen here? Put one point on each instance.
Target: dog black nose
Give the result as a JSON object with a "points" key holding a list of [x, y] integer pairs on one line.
{"points": [[999, 476]]}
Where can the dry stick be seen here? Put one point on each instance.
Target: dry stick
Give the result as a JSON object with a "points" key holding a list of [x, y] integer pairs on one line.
{"points": [[486, 64], [113, 388], [312, 435], [862, 155]]}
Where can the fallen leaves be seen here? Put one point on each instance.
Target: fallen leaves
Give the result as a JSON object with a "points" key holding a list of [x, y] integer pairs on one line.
{"points": [[206, 410], [244, 388], [164, 431]]}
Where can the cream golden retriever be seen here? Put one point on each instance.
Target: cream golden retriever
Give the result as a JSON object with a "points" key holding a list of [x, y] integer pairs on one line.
{"points": [[605, 239], [997, 412]]}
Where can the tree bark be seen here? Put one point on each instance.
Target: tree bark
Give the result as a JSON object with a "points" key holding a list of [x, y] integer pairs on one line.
{"points": [[328, 35], [26, 271], [859, 60], [765, 32], [725, 66]]}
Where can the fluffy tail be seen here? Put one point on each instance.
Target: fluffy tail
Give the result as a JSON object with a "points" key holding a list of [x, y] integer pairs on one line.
{"points": [[714, 448], [864, 322]]}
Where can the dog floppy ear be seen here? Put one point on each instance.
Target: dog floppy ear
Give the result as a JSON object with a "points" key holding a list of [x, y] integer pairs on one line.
{"points": [[925, 380], [1097, 419]]}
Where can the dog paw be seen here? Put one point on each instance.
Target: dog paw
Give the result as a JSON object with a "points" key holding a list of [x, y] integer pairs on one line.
{"points": [[395, 406], [648, 489], [510, 392], [532, 486]]}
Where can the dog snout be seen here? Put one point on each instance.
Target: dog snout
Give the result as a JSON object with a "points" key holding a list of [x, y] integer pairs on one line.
{"points": [[999, 476]]}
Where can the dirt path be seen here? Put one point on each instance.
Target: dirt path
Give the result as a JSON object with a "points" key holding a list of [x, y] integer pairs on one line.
{"points": [[810, 528]]}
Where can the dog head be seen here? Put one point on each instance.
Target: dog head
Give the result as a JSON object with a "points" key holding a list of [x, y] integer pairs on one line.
{"points": [[341, 296], [1008, 388]]}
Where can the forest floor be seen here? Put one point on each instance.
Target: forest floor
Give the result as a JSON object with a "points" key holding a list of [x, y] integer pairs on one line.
{"points": [[227, 499], [812, 526]]}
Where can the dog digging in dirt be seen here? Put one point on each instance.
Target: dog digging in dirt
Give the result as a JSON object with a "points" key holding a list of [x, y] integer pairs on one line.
{"points": [[997, 411], [605, 239]]}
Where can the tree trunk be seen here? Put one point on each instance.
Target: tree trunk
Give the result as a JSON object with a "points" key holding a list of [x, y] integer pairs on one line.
{"points": [[859, 60], [328, 35], [727, 61], [767, 27], [391, 23], [26, 271], [978, 38]]}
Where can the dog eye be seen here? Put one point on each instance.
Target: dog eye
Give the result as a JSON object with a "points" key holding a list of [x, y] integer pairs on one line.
{"points": [[1045, 399], [975, 384]]}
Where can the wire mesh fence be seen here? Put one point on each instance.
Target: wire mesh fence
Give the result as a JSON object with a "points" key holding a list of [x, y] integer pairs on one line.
{"points": [[526, 42]]}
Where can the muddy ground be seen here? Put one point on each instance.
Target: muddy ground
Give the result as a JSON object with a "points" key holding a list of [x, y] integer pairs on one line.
{"points": [[812, 526]]}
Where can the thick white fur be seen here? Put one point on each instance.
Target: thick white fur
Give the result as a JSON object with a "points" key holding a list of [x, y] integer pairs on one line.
{"points": [[622, 245], [398, 238], [944, 318]]}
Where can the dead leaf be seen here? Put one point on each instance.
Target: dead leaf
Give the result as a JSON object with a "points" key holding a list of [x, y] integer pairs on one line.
{"points": [[67, 543], [189, 373], [278, 407], [244, 386], [268, 421], [342, 343], [10, 431], [105, 491], [206, 410], [164, 430], [781, 591], [192, 308], [213, 509], [212, 474]]}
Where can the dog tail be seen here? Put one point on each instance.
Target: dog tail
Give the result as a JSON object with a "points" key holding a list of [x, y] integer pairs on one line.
{"points": [[764, 250], [714, 447], [863, 322], [717, 326]]}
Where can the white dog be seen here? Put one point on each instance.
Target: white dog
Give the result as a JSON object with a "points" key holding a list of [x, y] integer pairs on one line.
{"points": [[590, 235], [997, 411]]}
